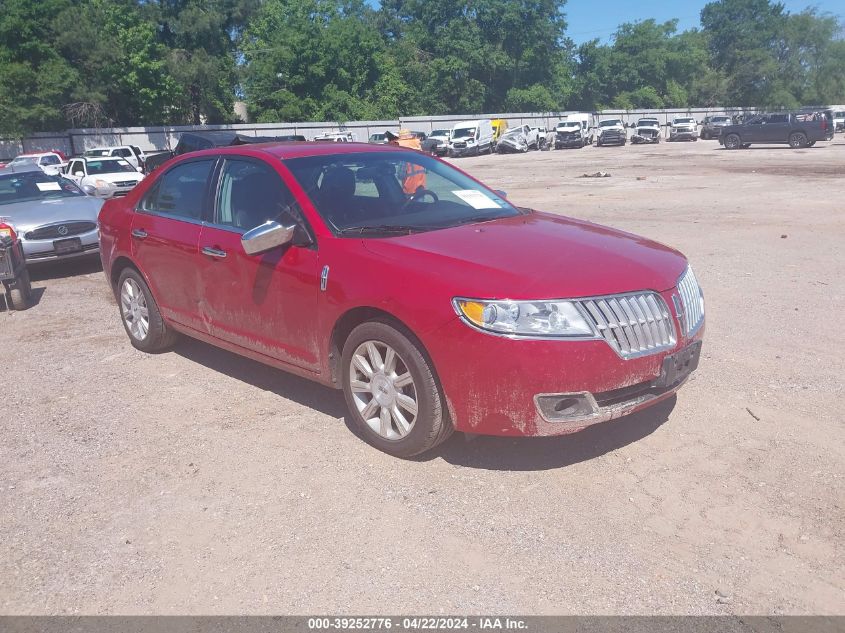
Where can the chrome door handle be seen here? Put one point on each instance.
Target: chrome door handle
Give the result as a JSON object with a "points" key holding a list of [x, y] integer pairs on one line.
{"points": [[139, 233], [213, 252]]}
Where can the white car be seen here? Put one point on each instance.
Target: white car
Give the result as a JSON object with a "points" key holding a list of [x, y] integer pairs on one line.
{"points": [[545, 137], [611, 132], [532, 135], [683, 129], [336, 137], [647, 131], [131, 153], [570, 134], [103, 177], [49, 162]]}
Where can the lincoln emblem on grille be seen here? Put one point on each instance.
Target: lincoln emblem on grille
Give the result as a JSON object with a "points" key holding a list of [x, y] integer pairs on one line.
{"points": [[62, 230]]}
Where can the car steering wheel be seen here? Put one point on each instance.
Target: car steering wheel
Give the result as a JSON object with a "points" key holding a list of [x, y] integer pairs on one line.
{"points": [[419, 194]]}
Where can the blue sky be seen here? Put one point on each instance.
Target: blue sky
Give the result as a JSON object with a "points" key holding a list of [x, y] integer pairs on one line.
{"points": [[589, 19]]}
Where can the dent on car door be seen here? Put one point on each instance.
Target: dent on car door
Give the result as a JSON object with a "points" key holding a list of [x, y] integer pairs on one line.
{"points": [[264, 303], [165, 236]]}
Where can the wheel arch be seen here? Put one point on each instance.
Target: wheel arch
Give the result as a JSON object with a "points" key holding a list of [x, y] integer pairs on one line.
{"points": [[354, 317], [118, 266]]}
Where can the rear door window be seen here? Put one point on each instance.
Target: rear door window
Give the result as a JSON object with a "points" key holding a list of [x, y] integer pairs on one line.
{"points": [[181, 191]]}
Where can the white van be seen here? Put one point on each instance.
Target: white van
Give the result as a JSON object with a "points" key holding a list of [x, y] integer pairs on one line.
{"points": [[588, 124], [470, 138]]}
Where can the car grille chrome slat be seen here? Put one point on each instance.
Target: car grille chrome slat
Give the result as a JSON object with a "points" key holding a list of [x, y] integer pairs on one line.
{"points": [[691, 299], [633, 325], [55, 231]]}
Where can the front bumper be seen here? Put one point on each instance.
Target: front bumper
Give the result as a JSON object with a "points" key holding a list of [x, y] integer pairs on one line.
{"points": [[493, 385], [613, 138], [569, 142], [457, 152], [37, 251], [683, 135]]}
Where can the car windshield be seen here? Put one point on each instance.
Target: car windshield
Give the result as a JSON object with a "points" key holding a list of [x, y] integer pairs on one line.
{"points": [[610, 123], [569, 124], [377, 137], [35, 185], [24, 160], [840, 114], [440, 133], [683, 120], [464, 132], [97, 152], [390, 193], [721, 119], [109, 166], [644, 122]]}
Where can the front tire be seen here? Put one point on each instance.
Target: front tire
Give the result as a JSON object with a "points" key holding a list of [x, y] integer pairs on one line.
{"points": [[140, 315], [732, 141], [391, 391], [20, 296]]}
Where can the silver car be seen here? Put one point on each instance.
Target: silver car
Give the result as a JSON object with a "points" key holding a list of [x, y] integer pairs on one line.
{"points": [[53, 217]]}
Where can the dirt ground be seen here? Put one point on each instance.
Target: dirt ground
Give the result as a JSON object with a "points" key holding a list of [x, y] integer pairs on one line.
{"points": [[197, 482]]}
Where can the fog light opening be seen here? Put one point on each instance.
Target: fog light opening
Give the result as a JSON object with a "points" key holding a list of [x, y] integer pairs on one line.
{"points": [[566, 406]]}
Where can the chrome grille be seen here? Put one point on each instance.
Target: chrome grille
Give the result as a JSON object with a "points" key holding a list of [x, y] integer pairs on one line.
{"points": [[633, 325], [126, 183], [692, 301], [60, 230]]}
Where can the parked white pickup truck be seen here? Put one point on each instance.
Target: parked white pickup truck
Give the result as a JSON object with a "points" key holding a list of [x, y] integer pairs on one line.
{"points": [[532, 135], [683, 129], [130, 153]]}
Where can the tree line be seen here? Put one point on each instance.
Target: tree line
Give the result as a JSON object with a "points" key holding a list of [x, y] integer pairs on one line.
{"points": [[92, 63]]}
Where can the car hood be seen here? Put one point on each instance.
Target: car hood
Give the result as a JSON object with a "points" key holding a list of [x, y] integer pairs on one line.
{"points": [[25, 216], [116, 176], [535, 256]]}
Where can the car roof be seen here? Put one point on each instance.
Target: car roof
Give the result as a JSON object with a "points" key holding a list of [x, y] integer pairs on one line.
{"points": [[296, 149]]}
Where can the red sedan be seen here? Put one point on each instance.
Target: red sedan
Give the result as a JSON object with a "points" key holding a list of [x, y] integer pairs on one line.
{"points": [[440, 310]]}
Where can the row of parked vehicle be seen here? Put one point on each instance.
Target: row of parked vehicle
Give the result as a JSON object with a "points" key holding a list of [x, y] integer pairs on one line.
{"points": [[798, 129]]}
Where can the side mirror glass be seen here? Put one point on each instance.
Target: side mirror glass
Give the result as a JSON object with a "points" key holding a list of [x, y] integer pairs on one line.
{"points": [[266, 237]]}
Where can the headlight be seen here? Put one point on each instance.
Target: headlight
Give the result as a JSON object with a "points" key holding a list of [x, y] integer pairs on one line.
{"points": [[547, 319]]}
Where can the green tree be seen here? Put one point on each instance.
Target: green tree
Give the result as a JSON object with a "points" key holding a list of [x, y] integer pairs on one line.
{"points": [[35, 81], [202, 38], [317, 59], [122, 68], [742, 37]]}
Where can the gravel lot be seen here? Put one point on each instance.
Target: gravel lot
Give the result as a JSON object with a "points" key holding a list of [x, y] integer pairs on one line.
{"points": [[198, 482]]}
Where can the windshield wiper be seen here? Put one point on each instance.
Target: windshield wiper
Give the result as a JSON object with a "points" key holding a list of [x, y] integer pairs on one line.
{"points": [[479, 219], [383, 228]]}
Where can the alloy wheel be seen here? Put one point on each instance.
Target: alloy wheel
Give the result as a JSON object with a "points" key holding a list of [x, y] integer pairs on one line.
{"points": [[133, 305], [383, 390]]}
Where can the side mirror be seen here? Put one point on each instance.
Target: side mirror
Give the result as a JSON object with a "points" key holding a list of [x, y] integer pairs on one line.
{"points": [[501, 194], [266, 237], [90, 190]]}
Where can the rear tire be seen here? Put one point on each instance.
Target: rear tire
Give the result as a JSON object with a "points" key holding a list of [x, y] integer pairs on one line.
{"points": [[797, 140], [140, 315], [732, 141], [389, 384], [20, 296]]}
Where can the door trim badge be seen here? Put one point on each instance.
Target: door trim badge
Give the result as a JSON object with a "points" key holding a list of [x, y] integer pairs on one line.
{"points": [[324, 278]]}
